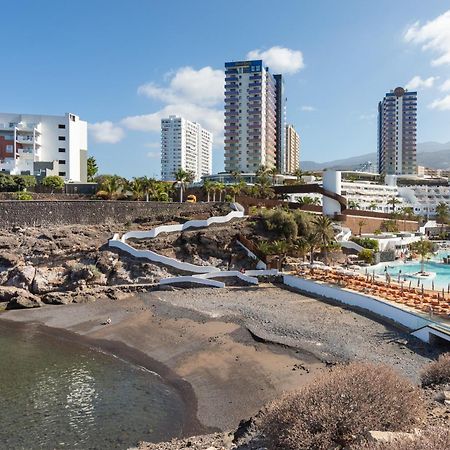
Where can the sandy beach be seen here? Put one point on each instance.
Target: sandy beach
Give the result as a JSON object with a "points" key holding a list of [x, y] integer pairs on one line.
{"points": [[230, 351]]}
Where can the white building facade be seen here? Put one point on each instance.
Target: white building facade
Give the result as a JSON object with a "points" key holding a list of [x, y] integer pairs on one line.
{"points": [[292, 149], [42, 145], [185, 145]]}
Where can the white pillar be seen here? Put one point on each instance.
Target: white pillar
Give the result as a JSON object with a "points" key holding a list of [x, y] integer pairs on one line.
{"points": [[331, 182]]}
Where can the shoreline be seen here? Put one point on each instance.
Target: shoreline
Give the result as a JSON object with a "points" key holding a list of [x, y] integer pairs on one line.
{"points": [[128, 355]]}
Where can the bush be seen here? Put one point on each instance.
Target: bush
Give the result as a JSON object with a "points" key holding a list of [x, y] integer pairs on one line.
{"points": [[53, 182], [303, 221], [340, 407], [437, 372], [281, 222], [431, 439], [367, 255], [366, 242], [23, 196]]}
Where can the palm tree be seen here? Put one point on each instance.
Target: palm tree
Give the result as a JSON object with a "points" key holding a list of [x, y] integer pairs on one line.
{"points": [[263, 187], [442, 213], [300, 174], [373, 206], [323, 228], [312, 242], [235, 189], [183, 177], [393, 201], [361, 224], [273, 172], [208, 186], [220, 187], [236, 176], [423, 249], [112, 185], [137, 186], [309, 201], [352, 204], [300, 246]]}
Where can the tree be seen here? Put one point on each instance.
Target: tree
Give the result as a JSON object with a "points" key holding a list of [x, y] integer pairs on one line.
{"points": [[92, 168], [442, 213], [423, 248], [273, 172], [7, 183], [183, 177], [263, 188], [300, 247], [208, 186], [306, 200], [137, 186], [393, 201], [373, 206], [361, 224], [221, 188], [323, 228], [53, 182], [299, 174], [111, 186], [353, 205]]}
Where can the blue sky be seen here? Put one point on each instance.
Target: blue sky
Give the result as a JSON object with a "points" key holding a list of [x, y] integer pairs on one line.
{"points": [[122, 65]]}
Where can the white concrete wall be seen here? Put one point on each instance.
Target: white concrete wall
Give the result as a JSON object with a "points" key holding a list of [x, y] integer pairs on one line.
{"points": [[331, 182]]}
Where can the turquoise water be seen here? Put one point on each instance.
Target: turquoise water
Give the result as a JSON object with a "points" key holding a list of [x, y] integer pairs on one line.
{"points": [[442, 271], [58, 394]]}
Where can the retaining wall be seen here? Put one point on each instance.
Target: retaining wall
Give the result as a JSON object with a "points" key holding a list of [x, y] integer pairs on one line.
{"points": [[93, 212]]}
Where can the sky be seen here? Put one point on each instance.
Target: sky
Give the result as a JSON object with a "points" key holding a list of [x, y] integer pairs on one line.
{"points": [[122, 66]]}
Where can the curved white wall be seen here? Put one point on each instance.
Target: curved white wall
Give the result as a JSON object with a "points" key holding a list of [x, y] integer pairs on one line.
{"points": [[331, 182]]}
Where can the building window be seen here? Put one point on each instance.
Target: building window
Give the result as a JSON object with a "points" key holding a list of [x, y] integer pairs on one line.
{"points": [[61, 138], [62, 161], [61, 150], [61, 126], [62, 174]]}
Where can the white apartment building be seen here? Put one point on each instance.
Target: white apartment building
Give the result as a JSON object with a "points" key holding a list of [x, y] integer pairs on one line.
{"points": [[424, 198], [292, 149], [44, 145], [185, 145]]}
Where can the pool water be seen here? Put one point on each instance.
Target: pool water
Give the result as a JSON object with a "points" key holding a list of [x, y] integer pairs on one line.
{"points": [[441, 281]]}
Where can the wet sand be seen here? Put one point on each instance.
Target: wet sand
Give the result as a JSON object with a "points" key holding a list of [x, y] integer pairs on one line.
{"points": [[223, 373]]}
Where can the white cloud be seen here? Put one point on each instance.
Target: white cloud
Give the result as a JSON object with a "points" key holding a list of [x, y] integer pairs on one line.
{"points": [[419, 83], [204, 86], [209, 118], [445, 86], [441, 104], [280, 59], [154, 155], [106, 132], [193, 94], [308, 108], [434, 36]]}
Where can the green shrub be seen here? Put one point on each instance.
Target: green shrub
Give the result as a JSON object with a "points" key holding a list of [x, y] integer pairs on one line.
{"points": [[303, 221], [367, 255], [23, 196], [366, 242], [280, 222], [437, 372], [338, 408]]}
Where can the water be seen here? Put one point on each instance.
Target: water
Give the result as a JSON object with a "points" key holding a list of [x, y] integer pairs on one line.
{"points": [[441, 281], [59, 394]]}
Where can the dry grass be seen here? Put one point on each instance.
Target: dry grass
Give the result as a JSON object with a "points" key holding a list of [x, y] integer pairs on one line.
{"points": [[338, 408], [437, 372], [431, 439]]}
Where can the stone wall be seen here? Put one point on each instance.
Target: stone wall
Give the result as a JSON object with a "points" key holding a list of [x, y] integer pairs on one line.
{"points": [[93, 212], [371, 224]]}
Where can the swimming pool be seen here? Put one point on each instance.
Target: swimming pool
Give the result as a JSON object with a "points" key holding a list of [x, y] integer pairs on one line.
{"points": [[441, 281]]}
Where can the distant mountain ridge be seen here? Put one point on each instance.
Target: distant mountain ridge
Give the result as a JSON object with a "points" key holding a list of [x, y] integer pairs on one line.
{"points": [[430, 154]]}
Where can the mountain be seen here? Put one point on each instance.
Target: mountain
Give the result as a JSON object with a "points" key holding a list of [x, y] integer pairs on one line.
{"points": [[430, 154]]}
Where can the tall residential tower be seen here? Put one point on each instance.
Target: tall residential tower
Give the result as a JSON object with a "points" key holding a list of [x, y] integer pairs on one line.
{"points": [[185, 145], [250, 117], [397, 133], [292, 149]]}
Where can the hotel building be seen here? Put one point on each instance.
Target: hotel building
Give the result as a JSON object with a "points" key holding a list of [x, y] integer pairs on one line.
{"points": [[397, 133], [43, 145], [250, 117], [185, 145], [292, 150]]}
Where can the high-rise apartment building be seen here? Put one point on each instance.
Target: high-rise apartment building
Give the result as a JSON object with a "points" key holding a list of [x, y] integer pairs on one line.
{"points": [[185, 145], [43, 145], [250, 116], [292, 149], [280, 114], [397, 133]]}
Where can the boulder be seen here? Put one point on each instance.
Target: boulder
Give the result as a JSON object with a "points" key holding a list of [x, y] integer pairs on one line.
{"points": [[388, 436], [21, 277], [58, 298], [106, 261], [19, 298], [41, 284], [9, 259]]}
